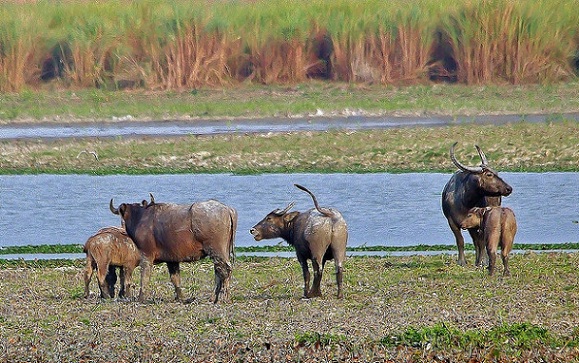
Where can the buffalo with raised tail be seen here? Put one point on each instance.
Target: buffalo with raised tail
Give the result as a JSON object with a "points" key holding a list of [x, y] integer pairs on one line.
{"points": [[319, 234], [470, 187], [174, 233]]}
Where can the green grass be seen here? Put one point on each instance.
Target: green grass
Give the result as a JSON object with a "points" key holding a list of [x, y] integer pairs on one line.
{"points": [[52, 249], [275, 101]]}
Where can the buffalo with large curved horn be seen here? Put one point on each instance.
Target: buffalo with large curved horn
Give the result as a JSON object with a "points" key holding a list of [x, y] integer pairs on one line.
{"points": [[467, 188]]}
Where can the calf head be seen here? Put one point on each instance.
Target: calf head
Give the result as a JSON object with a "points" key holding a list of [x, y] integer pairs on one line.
{"points": [[482, 179], [275, 224], [474, 218]]}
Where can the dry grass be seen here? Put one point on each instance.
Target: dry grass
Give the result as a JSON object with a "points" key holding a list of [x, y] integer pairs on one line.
{"points": [[44, 317]]}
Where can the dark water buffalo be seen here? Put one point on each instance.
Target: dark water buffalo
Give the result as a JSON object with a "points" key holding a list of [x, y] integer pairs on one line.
{"points": [[498, 226], [109, 248], [319, 234], [471, 187], [172, 233]]}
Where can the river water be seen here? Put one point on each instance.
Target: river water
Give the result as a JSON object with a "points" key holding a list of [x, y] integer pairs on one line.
{"points": [[380, 209], [119, 126]]}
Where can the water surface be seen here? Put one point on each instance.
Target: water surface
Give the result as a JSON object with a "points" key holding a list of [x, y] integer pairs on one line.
{"points": [[380, 209]]}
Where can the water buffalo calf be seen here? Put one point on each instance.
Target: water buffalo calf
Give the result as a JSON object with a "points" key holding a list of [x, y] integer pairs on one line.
{"points": [[498, 226], [319, 235], [109, 248]]}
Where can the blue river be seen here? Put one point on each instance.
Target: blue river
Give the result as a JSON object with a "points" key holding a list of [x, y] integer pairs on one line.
{"points": [[380, 209]]}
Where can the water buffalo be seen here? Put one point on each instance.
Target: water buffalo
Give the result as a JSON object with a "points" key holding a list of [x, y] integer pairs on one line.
{"points": [[107, 249], [319, 234], [498, 226], [172, 233], [471, 187]]}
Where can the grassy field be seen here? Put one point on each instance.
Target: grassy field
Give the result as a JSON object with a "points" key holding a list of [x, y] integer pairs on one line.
{"points": [[550, 146], [518, 146], [411, 309]]}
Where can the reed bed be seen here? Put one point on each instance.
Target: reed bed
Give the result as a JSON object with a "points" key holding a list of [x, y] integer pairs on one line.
{"points": [[182, 44]]}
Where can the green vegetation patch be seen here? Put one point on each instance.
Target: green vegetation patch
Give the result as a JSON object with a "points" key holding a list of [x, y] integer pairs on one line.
{"points": [[506, 338], [56, 249]]}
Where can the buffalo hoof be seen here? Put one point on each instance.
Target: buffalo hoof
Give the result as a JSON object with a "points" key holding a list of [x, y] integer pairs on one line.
{"points": [[313, 294]]}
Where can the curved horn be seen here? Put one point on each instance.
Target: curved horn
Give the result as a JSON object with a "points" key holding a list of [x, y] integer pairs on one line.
{"points": [[152, 198], [482, 155], [469, 169], [280, 212], [113, 209]]}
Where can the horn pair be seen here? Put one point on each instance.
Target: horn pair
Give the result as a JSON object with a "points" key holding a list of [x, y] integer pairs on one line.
{"points": [[116, 210], [279, 212], [470, 169]]}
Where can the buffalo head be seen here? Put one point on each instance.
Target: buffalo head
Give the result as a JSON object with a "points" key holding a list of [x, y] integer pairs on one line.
{"points": [[483, 178], [126, 211], [274, 225]]}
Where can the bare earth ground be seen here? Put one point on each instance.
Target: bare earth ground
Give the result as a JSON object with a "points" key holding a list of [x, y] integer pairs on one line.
{"points": [[43, 316]]}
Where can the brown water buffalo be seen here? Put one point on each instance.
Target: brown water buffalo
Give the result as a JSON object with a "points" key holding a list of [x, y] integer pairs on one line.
{"points": [[471, 187], [107, 249], [172, 233], [498, 226], [319, 234]]}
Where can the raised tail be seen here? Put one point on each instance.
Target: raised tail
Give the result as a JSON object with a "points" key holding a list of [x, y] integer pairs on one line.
{"points": [[324, 211]]}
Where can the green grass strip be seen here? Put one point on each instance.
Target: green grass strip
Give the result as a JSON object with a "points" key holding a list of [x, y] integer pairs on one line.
{"points": [[75, 248]]}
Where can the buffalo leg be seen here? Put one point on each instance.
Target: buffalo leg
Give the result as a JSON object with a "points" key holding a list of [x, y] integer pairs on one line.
{"points": [[459, 242], [316, 291], [339, 276], [88, 272], [306, 273], [146, 267], [223, 271], [175, 274], [122, 279], [128, 281]]}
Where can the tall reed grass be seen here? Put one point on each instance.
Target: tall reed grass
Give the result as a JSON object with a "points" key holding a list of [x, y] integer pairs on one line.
{"points": [[186, 44]]}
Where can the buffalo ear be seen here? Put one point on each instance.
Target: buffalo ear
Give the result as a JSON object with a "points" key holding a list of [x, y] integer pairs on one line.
{"points": [[122, 209], [288, 217]]}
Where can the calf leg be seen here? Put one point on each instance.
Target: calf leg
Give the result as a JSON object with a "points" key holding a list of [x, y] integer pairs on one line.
{"points": [[505, 257], [481, 255], [128, 275], [175, 274], [102, 270], [88, 272], [492, 242]]}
